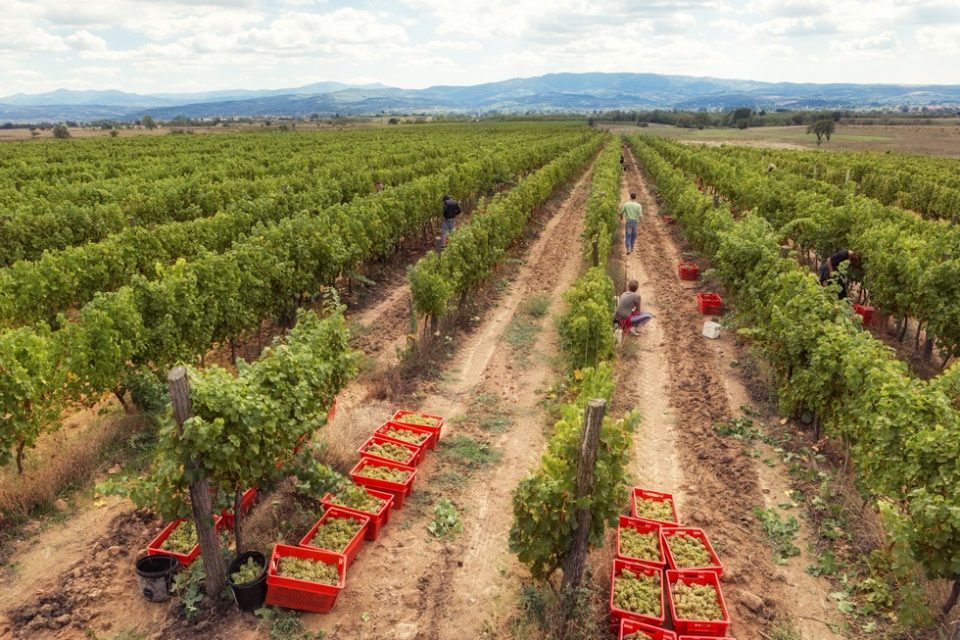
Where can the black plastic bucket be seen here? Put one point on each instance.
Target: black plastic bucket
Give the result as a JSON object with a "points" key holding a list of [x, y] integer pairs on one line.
{"points": [[155, 573], [249, 595]]}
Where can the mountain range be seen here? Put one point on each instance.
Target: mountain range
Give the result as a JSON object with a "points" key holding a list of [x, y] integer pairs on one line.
{"points": [[556, 92]]}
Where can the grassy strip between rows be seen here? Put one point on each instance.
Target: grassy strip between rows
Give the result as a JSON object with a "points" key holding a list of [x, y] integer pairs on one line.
{"points": [[903, 433]]}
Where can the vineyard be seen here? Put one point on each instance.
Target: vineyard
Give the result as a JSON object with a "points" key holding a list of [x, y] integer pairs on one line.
{"points": [[348, 429]]}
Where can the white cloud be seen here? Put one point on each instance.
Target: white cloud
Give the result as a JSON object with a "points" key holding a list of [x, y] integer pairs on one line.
{"points": [[940, 40], [793, 27], [84, 40], [880, 42]]}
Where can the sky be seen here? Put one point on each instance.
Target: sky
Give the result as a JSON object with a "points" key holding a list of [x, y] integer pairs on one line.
{"points": [[149, 46]]}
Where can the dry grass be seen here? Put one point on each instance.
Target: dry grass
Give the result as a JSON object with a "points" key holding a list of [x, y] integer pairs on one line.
{"points": [[342, 438], [67, 458]]}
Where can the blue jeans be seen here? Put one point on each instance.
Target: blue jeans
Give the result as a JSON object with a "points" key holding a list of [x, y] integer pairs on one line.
{"points": [[447, 226], [630, 234]]}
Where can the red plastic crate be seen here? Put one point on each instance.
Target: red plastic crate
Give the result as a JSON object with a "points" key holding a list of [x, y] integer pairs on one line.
{"points": [[377, 520], [653, 633], [332, 411], [711, 628], [641, 526], [292, 593], [353, 547], [429, 443], [705, 638], [669, 220], [616, 614], [153, 548], [400, 490], [435, 430], [688, 271], [671, 532], [246, 501], [709, 304], [865, 311], [416, 452], [656, 496]]}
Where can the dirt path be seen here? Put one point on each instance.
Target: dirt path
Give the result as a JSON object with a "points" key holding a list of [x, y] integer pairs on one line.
{"points": [[411, 585], [718, 485]]}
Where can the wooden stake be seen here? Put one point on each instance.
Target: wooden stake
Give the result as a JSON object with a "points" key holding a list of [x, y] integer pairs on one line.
{"points": [[216, 573], [576, 559]]}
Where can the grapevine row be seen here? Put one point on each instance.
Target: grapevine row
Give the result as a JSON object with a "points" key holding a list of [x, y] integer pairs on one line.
{"points": [[476, 248], [38, 290], [217, 297], [903, 434], [544, 503], [911, 266]]}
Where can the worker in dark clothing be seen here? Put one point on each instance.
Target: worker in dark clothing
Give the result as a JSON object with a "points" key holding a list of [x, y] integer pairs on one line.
{"points": [[451, 209], [829, 269]]}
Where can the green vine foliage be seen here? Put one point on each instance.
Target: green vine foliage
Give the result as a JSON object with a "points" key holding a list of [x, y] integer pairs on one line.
{"points": [[544, 508], [601, 222], [903, 433], [246, 426], [586, 331]]}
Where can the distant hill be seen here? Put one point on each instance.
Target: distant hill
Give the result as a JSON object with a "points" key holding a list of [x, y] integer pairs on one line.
{"points": [[579, 92]]}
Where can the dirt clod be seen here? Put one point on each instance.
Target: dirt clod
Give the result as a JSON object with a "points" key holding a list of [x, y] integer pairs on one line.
{"points": [[751, 601]]}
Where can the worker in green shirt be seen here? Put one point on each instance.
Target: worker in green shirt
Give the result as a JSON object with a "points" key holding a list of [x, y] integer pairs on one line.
{"points": [[631, 211]]}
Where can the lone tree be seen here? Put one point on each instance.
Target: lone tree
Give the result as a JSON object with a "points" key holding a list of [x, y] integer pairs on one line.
{"points": [[149, 122], [822, 128], [61, 131]]}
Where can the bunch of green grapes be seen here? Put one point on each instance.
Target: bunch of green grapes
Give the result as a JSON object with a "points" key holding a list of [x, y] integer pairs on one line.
{"points": [[182, 539], [383, 473], [407, 436], [309, 570], [696, 601], [335, 534], [688, 552], [248, 572], [655, 510], [637, 636], [638, 593], [390, 451], [642, 546], [356, 497], [420, 420]]}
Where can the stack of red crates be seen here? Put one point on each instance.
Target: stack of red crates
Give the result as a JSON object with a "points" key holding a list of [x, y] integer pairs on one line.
{"points": [[320, 598], [665, 570]]}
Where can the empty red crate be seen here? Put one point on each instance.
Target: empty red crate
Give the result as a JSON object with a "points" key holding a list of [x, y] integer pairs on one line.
{"points": [[246, 501], [671, 533], [414, 459], [654, 496], [434, 428], [429, 439], [292, 593], [865, 311], [628, 627], [641, 526], [709, 304], [377, 520], [400, 490], [353, 547], [154, 547], [689, 271], [697, 627], [617, 614]]}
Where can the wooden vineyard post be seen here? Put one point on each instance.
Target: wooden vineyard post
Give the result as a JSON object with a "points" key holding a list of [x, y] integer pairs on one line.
{"points": [[576, 559], [216, 574]]}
